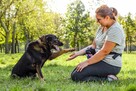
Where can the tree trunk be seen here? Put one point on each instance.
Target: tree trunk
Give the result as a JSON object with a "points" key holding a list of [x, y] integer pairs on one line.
{"points": [[6, 37], [66, 43], [27, 36], [7, 43], [74, 42], [127, 45], [130, 43], [17, 45], [13, 38], [1, 48]]}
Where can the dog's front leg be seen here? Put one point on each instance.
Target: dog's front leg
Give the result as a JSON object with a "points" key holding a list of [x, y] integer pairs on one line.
{"points": [[62, 51], [39, 72]]}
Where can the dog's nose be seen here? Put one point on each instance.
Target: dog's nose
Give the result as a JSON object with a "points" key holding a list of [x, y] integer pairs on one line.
{"points": [[60, 44]]}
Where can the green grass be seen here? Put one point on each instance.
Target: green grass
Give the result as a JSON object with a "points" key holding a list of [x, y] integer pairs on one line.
{"points": [[57, 76]]}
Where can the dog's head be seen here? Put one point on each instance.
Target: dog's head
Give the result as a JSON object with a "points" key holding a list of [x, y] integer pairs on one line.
{"points": [[52, 41]]}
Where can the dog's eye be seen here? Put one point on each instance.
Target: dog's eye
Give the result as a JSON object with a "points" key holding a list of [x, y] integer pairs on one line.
{"points": [[49, 38], [55, 40]]}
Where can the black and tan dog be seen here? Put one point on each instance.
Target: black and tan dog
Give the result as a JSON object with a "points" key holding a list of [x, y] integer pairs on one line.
{"points": [[36, 55]]}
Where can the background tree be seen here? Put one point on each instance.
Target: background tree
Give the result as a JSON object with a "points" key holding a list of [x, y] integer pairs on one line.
{"points": [[77, 24], [5, 20], [24, 21], [129, 27]]}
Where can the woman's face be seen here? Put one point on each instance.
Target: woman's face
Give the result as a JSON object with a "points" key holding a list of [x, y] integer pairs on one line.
{"points": [[101, 20]]}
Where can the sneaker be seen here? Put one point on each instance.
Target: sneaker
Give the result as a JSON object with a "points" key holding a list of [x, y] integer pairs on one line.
{"points": [[112, 78]]}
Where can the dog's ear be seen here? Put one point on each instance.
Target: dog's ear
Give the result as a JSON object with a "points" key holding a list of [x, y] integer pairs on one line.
{"points": [[45, 38], [42, 38]]}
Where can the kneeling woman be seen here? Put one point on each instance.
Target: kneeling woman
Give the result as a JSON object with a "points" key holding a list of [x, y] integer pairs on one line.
{"points": [[109, 44]]}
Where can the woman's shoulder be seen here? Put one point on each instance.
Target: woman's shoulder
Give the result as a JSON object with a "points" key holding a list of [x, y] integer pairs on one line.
{"points": [[116, 26], [116, 29]]}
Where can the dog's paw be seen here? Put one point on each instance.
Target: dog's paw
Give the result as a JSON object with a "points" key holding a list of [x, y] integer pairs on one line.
{"points": [[72, 49], [14, 76], [69, 50], [42, 79]]}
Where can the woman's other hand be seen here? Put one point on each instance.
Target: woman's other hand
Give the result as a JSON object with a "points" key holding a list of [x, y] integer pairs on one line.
{"points": [[81, 66]]}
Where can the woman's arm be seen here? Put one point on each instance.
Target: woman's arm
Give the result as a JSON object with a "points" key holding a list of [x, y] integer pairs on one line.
{"points": [[100, 55], [81, 52]]}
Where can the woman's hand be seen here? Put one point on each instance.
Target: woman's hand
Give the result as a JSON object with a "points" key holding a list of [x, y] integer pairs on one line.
{"points": [[72, 56], [81, 66]]}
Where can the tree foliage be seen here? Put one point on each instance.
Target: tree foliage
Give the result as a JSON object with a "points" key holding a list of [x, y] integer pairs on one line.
{"points": [[129, 26], [77, 24], [22, 21]]}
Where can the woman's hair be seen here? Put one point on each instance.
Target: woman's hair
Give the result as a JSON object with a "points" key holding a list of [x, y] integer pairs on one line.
{"points": [[104, 11], [115, 12]]}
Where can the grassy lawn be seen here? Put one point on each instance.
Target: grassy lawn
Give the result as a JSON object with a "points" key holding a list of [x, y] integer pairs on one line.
{"points": [[57, 74]]}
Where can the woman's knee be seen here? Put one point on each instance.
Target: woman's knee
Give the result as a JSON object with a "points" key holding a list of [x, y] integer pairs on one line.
{"points": [[76, 76]]}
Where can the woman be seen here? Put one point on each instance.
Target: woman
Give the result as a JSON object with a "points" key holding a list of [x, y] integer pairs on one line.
{"points": [[91, 51], [109, 44]]}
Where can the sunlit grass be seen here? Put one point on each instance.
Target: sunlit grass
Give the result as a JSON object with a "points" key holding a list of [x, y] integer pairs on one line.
{"points": [[57, 76]]}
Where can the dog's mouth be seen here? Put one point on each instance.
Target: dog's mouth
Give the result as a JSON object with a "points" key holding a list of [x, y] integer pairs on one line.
{"points": [[57, 45], [56, 48]]}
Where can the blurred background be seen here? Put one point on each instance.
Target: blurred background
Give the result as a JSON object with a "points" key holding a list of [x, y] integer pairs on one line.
{"points": [[73, 21]]}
